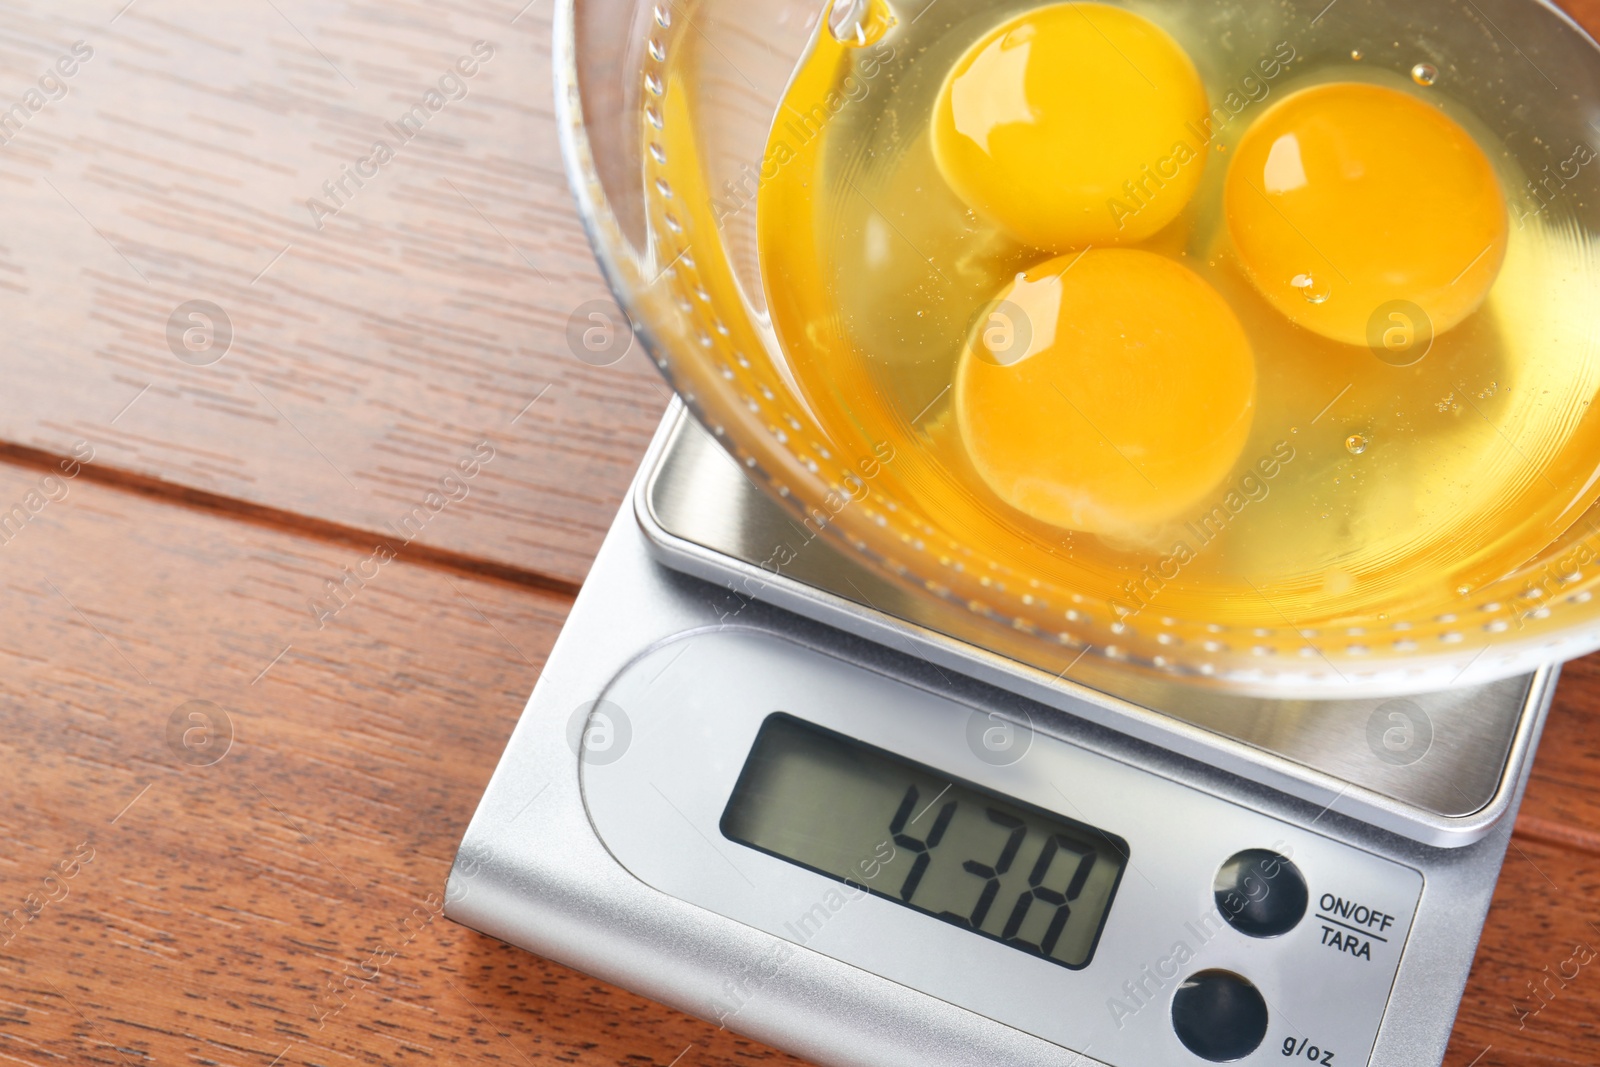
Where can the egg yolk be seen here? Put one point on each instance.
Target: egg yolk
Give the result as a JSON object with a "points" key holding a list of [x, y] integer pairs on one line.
{"points": [[1068, 125], [1346, 198], [1106, 391]]}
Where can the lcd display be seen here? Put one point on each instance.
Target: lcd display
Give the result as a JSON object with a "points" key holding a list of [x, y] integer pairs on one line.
{"points": [[1007, 871]]}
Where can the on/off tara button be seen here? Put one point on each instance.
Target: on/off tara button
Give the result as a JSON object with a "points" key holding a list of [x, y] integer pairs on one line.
{"points": [[1261, 894]]}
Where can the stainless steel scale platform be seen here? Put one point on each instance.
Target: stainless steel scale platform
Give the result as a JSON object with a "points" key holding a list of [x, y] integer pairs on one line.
{"points": [[686, 809]]}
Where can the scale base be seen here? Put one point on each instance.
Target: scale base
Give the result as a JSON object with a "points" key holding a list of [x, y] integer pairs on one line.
{"points": [[533, 870]]}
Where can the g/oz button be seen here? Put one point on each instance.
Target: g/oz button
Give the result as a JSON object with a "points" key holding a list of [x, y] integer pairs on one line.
{"points": [[1219, 1016], [1261, 894]]}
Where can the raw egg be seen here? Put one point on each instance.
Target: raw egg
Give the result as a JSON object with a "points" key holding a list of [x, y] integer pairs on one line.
{"points": [[1349, 204], [1106, 391], [1073, 125]]}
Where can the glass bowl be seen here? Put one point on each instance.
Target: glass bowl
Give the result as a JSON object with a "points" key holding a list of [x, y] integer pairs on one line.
{"points": [[665, 109]]}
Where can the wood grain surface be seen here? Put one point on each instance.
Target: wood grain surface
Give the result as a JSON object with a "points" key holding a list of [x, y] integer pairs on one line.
{"points": [[212, 913], [259, 885], [369, 346]]}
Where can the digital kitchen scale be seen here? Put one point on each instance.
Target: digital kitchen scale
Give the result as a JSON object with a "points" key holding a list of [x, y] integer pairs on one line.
{"points": [[764, 787]]}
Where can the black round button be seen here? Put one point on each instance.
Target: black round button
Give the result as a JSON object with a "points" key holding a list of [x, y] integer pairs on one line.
{"points": [[1261, 893], [1219, 1016]]}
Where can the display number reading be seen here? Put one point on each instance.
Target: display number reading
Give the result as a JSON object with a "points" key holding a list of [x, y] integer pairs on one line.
{"points": [[1037, 890], [982, 862], [1076, 862], [1303, 1048], [990, 873], [941, 823]]}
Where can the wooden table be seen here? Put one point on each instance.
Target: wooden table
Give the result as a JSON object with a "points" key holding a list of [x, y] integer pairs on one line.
{"points": [[253, 879]]}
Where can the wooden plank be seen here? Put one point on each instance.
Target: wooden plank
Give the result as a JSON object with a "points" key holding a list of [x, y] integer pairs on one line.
{"points": [[229, 909], [1520, 1007], [1534, 996], [1563, 803], [277, 906], [378, 332]]}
